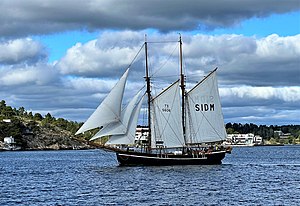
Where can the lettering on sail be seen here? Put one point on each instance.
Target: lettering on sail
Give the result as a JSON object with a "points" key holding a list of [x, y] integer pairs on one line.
{"points": [[166, 108], [204, 103]]}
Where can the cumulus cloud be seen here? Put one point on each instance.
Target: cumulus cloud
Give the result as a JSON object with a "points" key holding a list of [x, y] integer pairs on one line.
{"points": [[241, 59], [279, 48], [113, 52], [287, 94], [17, 17], [23, 75], [268, 61], [89, 59], [21, 50], [90, 86], [261, 105]]}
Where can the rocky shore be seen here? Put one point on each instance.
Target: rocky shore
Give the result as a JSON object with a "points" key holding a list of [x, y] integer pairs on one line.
{"points": [[49, 138], [53, 139]]}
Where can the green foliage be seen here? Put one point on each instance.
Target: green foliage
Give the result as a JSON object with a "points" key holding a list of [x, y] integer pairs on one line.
{"points": [[11, 129], [49, 118], [22, 120], [267, 132], [37, 117]]}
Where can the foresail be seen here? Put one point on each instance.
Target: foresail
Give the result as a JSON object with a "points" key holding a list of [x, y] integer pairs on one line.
{"points": [[129, 137], [109, 110], [121, 126], [166, 127], [204, 119]]}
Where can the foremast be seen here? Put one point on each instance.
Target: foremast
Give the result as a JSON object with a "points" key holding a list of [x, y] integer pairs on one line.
{"points": [[148, 91]]}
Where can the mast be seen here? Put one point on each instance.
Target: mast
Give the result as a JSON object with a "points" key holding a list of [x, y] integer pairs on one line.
{"points": [[148, 91], [182, 86]]}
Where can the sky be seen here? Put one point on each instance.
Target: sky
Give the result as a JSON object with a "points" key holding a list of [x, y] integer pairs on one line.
{"points": [[63, 58]]}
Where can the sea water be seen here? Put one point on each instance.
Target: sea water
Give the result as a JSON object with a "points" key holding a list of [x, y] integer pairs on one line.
{"points": [[248, 176]]}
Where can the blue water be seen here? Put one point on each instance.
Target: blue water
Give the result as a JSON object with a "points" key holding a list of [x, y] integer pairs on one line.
{"points": [[249, 176]]}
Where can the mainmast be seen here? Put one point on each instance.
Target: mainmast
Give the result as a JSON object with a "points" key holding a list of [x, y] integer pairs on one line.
{"points": [[148, 91], [182, 86]]}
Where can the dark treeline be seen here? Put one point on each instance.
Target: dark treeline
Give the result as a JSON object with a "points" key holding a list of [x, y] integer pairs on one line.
{"points": [[267, 132]]}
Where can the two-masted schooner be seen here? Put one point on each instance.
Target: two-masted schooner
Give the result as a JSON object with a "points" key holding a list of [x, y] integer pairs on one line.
{"points": [[184, 127]]}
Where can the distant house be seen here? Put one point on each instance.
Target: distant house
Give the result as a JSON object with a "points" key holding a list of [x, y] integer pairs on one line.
{"points": [[141, 135], [10, 144], [9, 140], [282, 135], [244, 139], [7, 120]]}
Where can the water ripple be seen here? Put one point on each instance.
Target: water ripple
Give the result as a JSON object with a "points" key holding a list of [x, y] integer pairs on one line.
{"points": [[249, 176]]}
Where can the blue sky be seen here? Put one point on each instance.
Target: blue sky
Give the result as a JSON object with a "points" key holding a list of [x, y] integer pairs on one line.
{"points": [[64, 58], [58, 44], [283, 25]]}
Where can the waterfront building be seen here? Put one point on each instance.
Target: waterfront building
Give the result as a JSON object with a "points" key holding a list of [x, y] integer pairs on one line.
{"points": [[244, 139]]}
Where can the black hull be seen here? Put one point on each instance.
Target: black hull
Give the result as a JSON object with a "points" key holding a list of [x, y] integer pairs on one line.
{"points": [[136, 158]]}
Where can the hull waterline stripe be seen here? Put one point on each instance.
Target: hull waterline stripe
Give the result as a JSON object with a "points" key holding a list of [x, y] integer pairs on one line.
{"points": [[161, 158]]}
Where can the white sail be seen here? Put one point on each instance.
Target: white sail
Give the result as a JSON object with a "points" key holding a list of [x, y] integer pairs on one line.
{"points": [[109, 110], [129, 137], [204, 119], [121, 126], [166, 127]]}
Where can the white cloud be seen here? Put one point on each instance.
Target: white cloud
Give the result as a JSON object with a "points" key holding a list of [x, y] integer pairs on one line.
{"points": [[90, 59], [40, 74], [89, 85], [287, 94], [20, 50], [276, 48], [269, 61], [242, 60]]}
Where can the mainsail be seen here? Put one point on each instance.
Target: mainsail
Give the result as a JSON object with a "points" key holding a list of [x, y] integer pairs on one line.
{"points": [[109, 110], [204, 119], [119, 127], [166, 124]]}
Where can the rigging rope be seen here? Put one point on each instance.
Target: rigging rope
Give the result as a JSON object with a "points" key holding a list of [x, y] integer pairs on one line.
{"points": [[167, 60], [136, 56]]}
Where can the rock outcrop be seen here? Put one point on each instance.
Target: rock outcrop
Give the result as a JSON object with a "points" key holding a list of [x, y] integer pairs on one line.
{"points": [[52, 139]]}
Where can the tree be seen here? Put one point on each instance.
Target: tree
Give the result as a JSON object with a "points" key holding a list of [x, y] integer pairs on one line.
{"points": [[2, 104], [37, 117], [8, 111], [49, 118], [230, 131], [21, 111], [30, 115]]}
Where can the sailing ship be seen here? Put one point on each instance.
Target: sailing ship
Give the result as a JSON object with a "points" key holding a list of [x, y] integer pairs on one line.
{"points": [[184, 127]]}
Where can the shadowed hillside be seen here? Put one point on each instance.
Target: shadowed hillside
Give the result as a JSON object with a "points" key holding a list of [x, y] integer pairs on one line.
{"points": [[35, 132]]}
